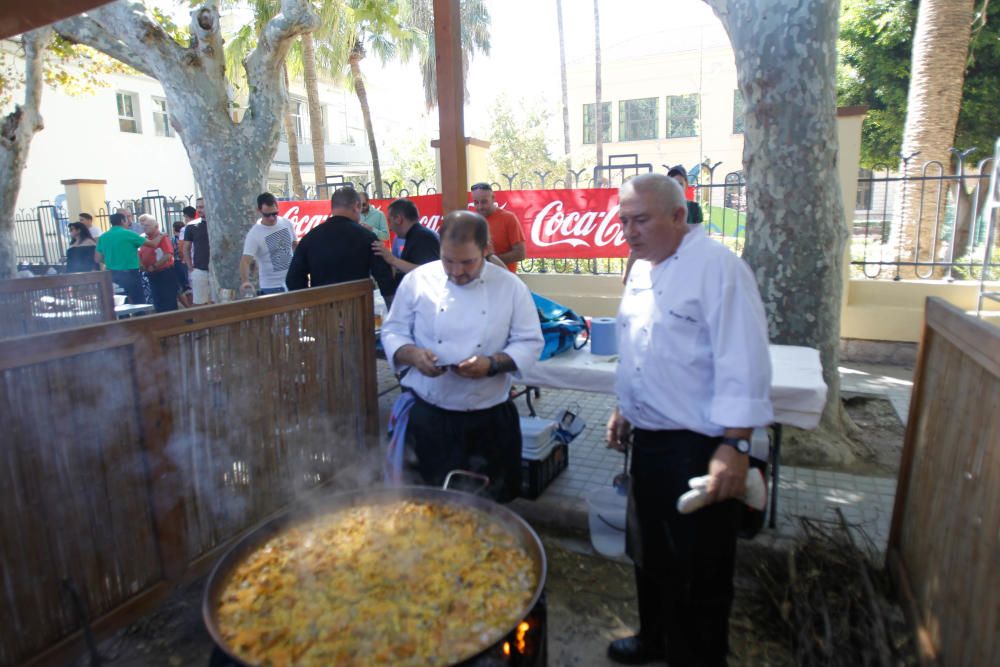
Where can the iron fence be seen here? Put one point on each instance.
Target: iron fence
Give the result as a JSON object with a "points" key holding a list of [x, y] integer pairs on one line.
{"points": [[41, 234], [949, 231], [928, 226]]}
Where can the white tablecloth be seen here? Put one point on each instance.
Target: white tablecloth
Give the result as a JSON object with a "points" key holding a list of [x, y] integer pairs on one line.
{"points": [[797, 388]]}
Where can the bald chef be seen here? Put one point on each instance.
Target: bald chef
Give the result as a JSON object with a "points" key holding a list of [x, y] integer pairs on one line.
{"points": [[460, 328]]}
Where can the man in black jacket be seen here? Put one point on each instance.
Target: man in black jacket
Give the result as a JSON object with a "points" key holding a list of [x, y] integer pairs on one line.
{"points": [[339, 250], [421, 244]]}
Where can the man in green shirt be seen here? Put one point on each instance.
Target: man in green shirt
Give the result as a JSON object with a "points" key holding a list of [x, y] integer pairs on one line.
{"points": [[373, 219], [117, 250]]}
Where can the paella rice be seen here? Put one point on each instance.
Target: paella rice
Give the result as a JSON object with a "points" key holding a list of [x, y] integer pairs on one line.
{"points": [[409, 583]]}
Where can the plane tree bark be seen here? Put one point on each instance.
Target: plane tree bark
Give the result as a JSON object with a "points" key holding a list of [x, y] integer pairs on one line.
{"points": [[16, 131], [786, 53], [229, 159]]}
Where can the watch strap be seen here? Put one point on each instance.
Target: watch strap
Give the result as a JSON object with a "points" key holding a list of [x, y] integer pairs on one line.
{"points": [[742, 445]]}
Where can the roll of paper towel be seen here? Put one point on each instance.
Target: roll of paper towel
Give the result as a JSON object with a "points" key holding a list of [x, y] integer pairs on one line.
{"points": [[603, 338]]}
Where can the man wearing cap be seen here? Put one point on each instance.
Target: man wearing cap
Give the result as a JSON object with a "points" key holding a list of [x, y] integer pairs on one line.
{"points": [[693, 380], [459, 328], [506, 233]]}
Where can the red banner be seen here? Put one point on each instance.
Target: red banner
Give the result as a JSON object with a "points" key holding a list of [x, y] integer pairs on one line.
{"points": [[558, 224]]}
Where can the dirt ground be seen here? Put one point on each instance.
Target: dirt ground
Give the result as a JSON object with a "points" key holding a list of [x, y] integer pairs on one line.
{"points": [[881, 434], [881, 430], [591, 600]]}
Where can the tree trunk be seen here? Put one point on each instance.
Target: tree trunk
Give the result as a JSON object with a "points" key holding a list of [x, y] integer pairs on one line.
{"points": [[292, 138], [565, 95], [16, 131], [315, 111], [796, 230], [598, 107], [229, 160], [366, 113], [937, 73]]}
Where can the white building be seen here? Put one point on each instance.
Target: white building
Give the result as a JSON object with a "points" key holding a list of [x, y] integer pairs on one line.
{"points": [[668, 101], [120, 133]]}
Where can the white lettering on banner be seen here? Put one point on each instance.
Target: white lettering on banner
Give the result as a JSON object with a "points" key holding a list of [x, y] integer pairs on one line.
{"points": [[433, 222], [551, 222], [302, 223]]}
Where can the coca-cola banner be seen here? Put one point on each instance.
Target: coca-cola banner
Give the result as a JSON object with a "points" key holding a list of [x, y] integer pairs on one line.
{"points": [[570, 224]]}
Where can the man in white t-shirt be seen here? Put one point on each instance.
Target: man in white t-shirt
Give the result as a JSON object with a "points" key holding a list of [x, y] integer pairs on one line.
{"points": [[88, 221], [269, 243]]}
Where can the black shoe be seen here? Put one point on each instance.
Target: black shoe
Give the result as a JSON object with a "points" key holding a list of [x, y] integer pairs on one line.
{"points": [[635, 651]]}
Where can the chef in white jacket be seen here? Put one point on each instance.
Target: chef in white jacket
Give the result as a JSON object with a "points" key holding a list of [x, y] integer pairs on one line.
{"points": [[461, 329]]}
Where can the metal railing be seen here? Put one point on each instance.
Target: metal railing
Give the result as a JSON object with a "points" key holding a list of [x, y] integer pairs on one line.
{"points": [[948, 234]]}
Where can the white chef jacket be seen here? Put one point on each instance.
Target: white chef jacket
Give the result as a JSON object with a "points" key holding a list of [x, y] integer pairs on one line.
{"points": [[692, 341], [493, 313]]}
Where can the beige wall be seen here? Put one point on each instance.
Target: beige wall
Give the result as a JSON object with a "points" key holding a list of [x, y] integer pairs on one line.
{"points": [[875, 309]]}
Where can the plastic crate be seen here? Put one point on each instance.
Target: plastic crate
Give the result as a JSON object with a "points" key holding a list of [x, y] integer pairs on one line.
{"points": [[537, 475]]}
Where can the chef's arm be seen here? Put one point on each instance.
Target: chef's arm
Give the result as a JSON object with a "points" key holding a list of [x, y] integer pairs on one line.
{"points": [[504, 363]]}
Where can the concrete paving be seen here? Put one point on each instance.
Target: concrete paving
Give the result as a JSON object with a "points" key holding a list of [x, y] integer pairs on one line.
{"points": [[865, 501]]}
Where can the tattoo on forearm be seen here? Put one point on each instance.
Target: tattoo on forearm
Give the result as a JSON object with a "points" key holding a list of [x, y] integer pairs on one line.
{"points": [[504, 363]]}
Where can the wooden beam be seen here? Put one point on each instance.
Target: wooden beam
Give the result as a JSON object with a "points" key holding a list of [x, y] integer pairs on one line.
{"points": [[451, 101], [35, 14]]}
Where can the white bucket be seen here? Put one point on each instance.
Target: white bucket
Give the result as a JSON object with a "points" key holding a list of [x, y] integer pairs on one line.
{"points": [[607, 521]]}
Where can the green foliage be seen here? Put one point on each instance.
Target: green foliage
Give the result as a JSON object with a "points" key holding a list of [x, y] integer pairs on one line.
{"points": [[876, 40], [517, 142], [413, 160], [73, 69]]}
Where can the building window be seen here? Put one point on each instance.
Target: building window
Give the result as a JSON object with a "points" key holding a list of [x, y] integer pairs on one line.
{"points": [[297, 109], [590, 123], [128, 112], [682, 116], [637, 119], [161, 119], [738, 122], [864, 198]]}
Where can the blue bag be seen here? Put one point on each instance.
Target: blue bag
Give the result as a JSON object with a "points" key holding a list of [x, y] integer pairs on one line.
{"points": [[560, 327]]}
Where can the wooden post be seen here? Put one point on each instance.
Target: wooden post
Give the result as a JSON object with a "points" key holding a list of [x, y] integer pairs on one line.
{"points": [[451, 99]]}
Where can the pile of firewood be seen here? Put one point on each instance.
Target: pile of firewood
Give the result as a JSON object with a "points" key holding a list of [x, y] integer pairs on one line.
{"points": [[835, 603]]}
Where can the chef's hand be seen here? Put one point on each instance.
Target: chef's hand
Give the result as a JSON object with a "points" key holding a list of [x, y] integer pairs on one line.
{"points": [[728, 472], [420, 358], [474, 367], [619, 431], [383, 252]]}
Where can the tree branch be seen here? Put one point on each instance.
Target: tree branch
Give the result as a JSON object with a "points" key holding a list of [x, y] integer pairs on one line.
{"points": [[82, 29], [24, 121], [126, 32], [263, 66]]}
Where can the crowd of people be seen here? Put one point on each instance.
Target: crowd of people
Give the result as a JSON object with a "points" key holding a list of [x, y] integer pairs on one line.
{"points": [[693, 378]]}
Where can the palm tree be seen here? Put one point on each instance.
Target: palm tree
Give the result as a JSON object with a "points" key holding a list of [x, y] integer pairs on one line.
{"points": [[937, 72], [475, 37], [565, 94], [598, 107], [331, 49]]}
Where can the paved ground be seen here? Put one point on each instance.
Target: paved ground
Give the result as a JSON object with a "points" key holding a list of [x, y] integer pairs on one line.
{"points": [[865, 501]]}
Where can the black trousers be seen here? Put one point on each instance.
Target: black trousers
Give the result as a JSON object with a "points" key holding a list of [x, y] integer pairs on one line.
{"points": [[484, 441], [128, 280], [163, 288], [683, 563]]}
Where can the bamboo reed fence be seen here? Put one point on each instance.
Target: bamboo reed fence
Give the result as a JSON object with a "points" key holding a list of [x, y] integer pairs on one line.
{"points": [[944, 545], [50, 303], [134, 452]]}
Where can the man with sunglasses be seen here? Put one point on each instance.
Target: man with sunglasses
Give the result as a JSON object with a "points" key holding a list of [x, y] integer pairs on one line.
{"points": [[269, 243]]}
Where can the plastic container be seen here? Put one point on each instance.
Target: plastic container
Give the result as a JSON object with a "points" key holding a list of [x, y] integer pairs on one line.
{"points": [[606, 509], [536, 475]]}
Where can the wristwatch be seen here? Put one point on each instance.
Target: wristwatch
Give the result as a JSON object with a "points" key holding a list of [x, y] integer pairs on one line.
{"points": [[494, 367], [742, 445]]}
